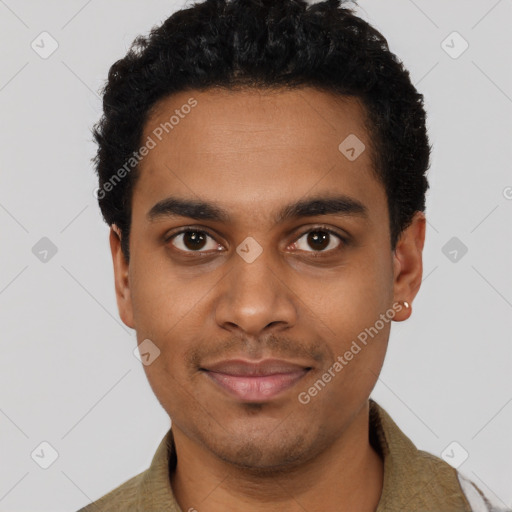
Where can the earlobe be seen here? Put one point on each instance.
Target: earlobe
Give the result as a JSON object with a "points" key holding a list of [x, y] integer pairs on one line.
{"points": [[403, 310], [121, 277], [408, 266]]}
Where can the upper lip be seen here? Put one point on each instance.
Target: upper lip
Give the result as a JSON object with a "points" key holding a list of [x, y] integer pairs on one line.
{"points": [[246, 368]]}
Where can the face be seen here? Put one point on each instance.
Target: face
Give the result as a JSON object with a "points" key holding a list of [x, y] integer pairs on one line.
{"points": [[260, 257]]}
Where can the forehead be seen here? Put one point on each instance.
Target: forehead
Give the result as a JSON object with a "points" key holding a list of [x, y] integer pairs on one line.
{"points": [[252, 148], [301, 119]]}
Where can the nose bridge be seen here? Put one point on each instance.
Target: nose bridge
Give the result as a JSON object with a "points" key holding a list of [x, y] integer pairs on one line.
{"points": [[254, 294]]}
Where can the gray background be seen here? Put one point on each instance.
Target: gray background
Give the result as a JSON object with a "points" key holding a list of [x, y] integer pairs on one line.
{"points": [[68, 375]]}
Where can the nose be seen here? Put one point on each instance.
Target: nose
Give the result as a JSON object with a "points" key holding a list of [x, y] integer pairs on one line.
{"points": [[255, 297]]}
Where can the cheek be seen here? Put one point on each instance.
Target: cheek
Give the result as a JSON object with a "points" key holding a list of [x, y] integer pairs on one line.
{"points": [[170, 311], [161, 298], [167, 385], [353, 297], [350, 306]]}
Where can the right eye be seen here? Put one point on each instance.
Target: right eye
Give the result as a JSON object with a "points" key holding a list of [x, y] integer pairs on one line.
{"points": [[192, 240]]}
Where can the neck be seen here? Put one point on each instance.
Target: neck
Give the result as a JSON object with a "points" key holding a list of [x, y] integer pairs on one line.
{"points": [[347, 476]]}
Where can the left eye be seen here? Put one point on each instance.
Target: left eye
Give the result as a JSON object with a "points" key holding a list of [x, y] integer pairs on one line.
{"points": [[322, 240]]}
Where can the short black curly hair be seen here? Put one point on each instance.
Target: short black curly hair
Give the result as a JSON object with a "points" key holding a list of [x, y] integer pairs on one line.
{"points": [[271, 45]]}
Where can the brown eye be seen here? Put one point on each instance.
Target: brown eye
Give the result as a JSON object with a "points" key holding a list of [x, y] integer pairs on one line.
{"points": [[320, 240], [192, 241]]}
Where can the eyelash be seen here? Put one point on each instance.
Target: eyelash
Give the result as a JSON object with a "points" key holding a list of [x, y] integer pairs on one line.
{"points": [[315, 254]]}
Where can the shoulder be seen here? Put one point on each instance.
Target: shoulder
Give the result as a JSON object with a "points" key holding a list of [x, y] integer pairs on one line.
{"points": [[121, 499], [148, 490], [476, 498]]}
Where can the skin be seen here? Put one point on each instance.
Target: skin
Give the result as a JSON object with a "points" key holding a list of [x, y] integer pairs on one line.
{"points": [[253, 152]]}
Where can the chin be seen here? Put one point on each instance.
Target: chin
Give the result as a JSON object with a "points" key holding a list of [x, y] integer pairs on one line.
{"points": [[261, 450], [268, 459]]}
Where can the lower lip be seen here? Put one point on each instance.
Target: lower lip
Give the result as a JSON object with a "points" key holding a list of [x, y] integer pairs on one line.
{"points": [[256, 388]]}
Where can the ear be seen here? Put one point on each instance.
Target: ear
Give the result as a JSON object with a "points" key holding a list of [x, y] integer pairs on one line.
{"points": [[121, 278], [408, 265]]}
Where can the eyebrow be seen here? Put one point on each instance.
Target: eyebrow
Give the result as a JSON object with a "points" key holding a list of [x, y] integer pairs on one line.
{"points": [[341, 205]]}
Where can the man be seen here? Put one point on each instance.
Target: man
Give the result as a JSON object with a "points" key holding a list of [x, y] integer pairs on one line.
{"points": [[262, 167]]}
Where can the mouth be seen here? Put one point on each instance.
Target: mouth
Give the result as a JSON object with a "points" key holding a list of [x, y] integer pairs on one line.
{"points": [[251, 381]]}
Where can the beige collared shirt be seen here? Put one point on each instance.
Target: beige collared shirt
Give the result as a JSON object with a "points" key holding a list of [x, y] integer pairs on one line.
{"points": [[414, 480]]}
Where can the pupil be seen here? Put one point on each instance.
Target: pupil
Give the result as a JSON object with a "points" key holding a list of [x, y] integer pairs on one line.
{"points": [[318, 238], [195, 239]]}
